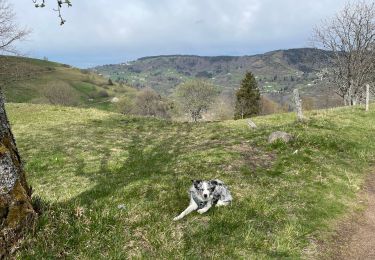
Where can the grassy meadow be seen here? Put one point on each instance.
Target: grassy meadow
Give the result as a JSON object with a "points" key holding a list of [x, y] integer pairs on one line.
{"points": [[108, 186], [45, 82]]}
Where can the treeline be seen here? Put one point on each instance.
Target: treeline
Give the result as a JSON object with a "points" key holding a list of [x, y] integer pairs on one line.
{"points": [[197, 99]]}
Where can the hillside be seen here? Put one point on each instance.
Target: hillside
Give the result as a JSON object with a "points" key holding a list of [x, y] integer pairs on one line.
{"points": [[38, 81], [108, 186], [276, 71]]}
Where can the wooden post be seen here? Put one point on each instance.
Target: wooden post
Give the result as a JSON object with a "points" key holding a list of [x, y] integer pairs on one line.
{"points": [[367, 97], [298, 103]]}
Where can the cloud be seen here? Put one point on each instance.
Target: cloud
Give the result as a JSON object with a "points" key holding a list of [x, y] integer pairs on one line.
{"points": [[103, 31]]}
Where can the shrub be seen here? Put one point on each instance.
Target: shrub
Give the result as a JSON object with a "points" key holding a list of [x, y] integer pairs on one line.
{"points": [[268, 106], [103, 94], [60, 93]]}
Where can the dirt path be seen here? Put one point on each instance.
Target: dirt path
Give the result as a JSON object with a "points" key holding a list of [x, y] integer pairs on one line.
{"points": [[355, 238]]}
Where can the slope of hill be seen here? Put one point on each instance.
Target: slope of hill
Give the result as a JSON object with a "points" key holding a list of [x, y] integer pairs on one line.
{"points": [[38, 81], [109, 185], [276, 71]]}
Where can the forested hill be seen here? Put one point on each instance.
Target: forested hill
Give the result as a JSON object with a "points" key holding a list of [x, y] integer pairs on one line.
{"points": [[280, 70]]}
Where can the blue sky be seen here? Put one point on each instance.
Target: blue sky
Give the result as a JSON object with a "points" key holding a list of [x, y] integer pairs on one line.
{"points": [[102, 31]]}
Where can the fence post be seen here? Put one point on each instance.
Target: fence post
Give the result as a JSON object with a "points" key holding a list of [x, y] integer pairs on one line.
{"points": [[298, 103]]}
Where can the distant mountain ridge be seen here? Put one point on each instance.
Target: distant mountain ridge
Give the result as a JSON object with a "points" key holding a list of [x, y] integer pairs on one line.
{"points": [[276, 71]]}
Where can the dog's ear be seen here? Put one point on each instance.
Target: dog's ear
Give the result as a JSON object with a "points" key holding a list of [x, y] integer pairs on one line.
{"points": [[196, 183], [214, 183]]}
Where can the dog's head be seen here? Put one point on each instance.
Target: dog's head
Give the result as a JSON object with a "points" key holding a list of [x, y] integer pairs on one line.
{"points": [[204, 188]]}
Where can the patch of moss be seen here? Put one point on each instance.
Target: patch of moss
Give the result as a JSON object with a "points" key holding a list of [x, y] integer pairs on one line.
{"points": [[3, 149], [3, 208], [20, 208]]}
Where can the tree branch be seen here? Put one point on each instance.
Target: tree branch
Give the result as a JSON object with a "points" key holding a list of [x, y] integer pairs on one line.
{"points": [[60, 3]]}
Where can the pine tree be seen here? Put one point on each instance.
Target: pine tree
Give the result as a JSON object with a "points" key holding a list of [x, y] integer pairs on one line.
{"points": [[247, 98]]}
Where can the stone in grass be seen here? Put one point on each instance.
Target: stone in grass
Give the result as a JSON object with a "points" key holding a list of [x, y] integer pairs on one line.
{"points": [[282, 136], [115, 100], [121, 207]]}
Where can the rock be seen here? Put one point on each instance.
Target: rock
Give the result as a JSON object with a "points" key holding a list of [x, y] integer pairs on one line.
{"points": [[121, 206], [115, 100], [283, 136], [251, 124]]}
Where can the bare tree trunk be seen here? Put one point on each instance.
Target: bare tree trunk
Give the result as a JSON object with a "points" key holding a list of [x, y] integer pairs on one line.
{"points": [[367, 97], [16, 210], [298, 103]]}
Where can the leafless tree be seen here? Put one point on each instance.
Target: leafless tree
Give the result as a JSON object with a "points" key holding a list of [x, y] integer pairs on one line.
{"points": [[60, 3], [15, 194], [195, 97], [10, 32], [222, 108], [350, 36], [16, 210]]}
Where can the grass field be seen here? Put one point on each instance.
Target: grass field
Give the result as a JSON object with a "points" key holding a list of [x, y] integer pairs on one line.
{"points": [[110, 185], [36, 80]]}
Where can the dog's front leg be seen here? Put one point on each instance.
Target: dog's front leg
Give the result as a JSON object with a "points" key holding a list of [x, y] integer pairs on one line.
{"points": [[193, 206], [206, 208]]}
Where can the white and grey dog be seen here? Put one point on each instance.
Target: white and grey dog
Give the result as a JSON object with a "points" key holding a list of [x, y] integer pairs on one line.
{"points": [[204, 195]]}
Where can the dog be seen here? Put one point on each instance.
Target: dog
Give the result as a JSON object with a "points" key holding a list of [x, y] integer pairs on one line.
{"points": [[204, 195]]}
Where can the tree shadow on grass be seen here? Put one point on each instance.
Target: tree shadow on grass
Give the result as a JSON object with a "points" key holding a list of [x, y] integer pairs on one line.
{"points": [[153, 150], [147, 159]]}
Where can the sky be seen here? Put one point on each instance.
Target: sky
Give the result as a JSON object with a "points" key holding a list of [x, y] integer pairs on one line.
{"points": [[101, 32]]}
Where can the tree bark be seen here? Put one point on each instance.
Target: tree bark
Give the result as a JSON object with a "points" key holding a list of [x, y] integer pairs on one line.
{"points": [[298, 103], [16, 211]]}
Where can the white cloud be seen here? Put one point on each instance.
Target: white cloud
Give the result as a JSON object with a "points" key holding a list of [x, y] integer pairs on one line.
{"points": [[103, 31]]}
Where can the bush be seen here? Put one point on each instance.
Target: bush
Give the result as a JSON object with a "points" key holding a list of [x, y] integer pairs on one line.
{"points": [[268, 106], [308, 103], [221, 109], [103, 94], [85, 71], [126, 106], [150, 103], [60, 93]]}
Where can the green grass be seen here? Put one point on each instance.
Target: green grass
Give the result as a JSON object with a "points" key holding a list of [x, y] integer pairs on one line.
{"points": [[84, 163], [35, 76]]}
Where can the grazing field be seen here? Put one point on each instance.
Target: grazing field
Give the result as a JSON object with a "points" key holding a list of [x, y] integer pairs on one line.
{"points": [[26, 80], [108, 186]]}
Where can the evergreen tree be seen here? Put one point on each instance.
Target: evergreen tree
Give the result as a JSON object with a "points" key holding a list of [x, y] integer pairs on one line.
{"points": [[247, 98]]}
